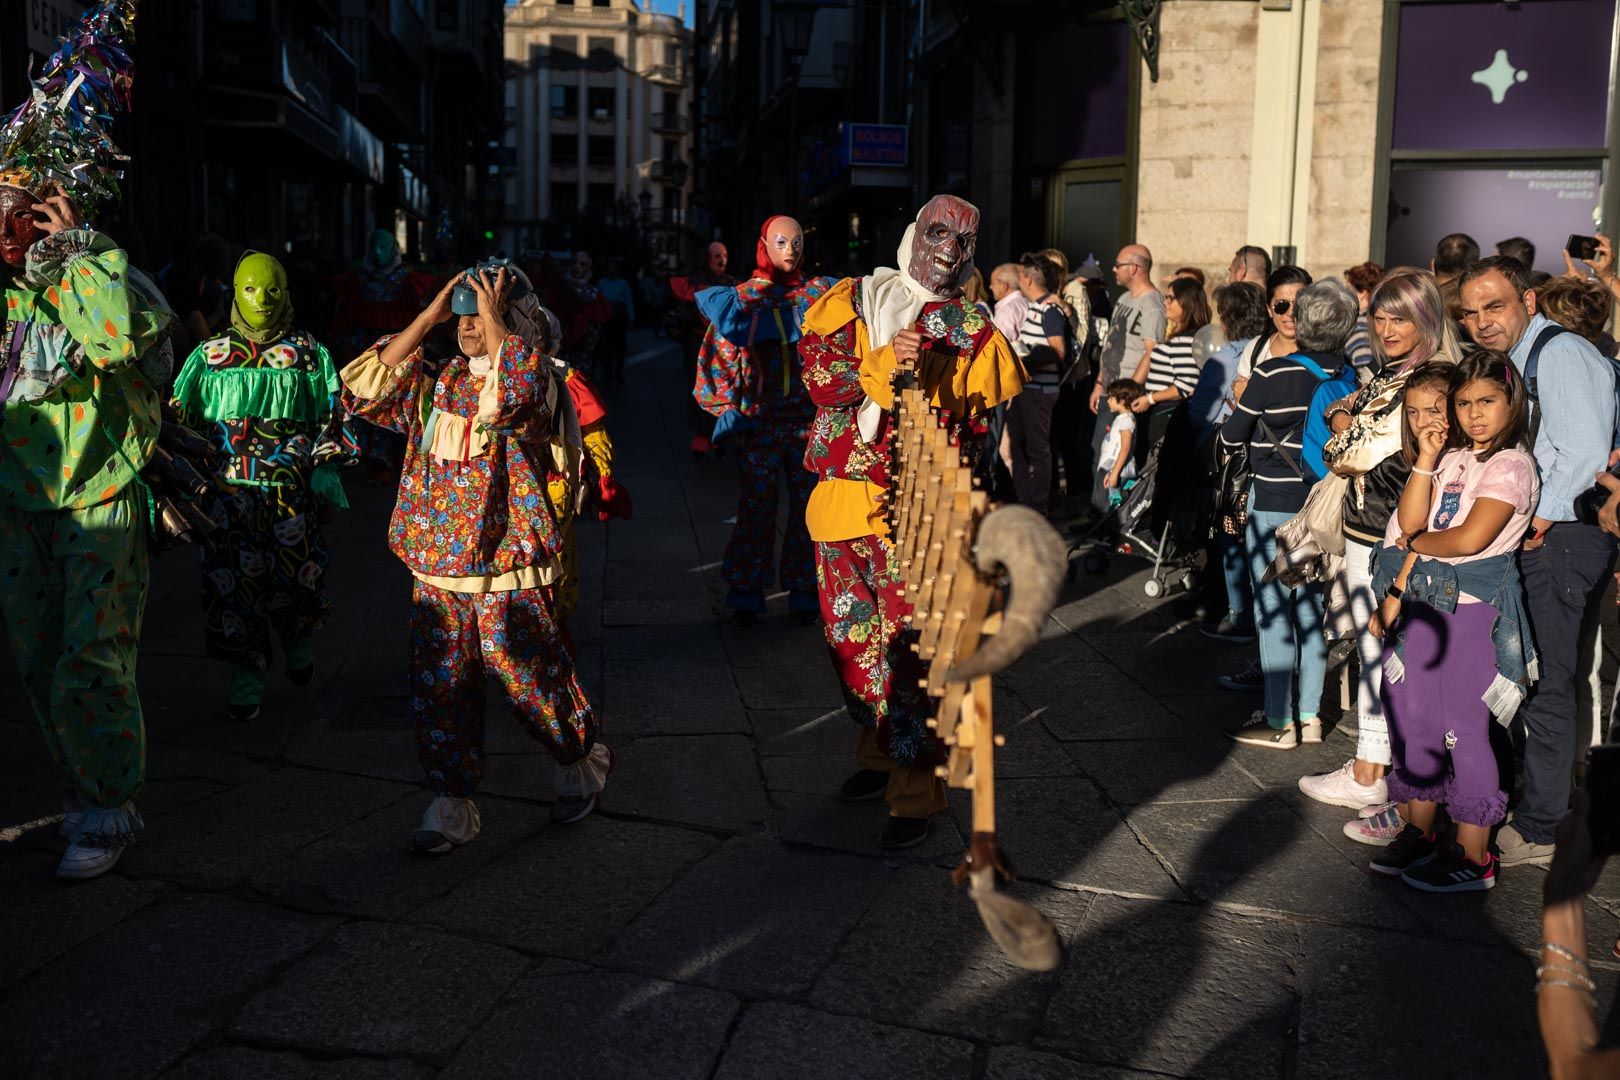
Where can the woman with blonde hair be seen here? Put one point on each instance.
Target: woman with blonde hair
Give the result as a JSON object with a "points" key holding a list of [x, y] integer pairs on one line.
{"points": [[1410, 327]]}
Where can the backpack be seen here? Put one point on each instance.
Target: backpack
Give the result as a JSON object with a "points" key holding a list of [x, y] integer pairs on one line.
{"points": [[1532, 367], [1329, 388]]}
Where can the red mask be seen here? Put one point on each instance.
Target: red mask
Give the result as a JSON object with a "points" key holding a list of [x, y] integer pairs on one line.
{"points": [[18, 226], [942, 244]]}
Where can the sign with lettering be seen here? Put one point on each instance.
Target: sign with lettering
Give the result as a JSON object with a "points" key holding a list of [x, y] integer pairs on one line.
{"points": [[49, 20], [876, 144]]}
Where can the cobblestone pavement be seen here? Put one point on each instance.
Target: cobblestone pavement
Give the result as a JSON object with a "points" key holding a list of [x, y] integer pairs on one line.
{"points": [[725, 916]]}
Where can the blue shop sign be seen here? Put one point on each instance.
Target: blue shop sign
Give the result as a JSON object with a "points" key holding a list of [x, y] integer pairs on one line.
{"points": [[876, 144]]}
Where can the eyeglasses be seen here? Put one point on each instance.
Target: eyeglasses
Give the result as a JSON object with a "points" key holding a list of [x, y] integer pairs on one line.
{"points": [[1126, 262], [1281, 306]]}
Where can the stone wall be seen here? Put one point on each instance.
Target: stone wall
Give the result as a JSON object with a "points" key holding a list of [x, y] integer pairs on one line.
{"points": [[1345, 130], [1192, 197]]}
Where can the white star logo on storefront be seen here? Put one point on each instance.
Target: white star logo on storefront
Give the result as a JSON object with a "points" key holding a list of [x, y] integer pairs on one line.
{"points": [[1500, 77]]}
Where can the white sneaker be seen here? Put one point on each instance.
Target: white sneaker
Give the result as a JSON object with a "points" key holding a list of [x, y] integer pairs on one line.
{"points": [[449, 821], [1339, 787], [1257, 732], [83, 860]]}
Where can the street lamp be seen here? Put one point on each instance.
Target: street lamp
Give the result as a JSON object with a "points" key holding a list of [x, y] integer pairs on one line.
{"points": [[793, 22]]}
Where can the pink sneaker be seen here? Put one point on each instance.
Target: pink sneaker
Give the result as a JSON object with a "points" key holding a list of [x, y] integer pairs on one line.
{"points": [[1377, 826]]}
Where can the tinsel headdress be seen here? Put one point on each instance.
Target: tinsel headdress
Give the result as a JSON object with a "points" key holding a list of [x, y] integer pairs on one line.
{"points": [[62, 133]]}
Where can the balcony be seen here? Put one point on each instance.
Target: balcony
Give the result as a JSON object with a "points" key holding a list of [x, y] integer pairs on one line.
{"points": [[576, 15], [668, 171], [391, 94], [670, 73], [669, 121]]}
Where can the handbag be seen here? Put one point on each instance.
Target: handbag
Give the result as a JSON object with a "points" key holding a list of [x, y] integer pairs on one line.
{"points": [[1310, 545], [1233, 478]]}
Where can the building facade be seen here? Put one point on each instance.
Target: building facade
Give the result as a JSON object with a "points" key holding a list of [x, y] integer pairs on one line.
{"points": [[598, 126], [1327, 131]]}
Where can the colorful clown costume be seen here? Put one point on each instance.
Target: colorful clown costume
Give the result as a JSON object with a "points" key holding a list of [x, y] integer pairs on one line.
{"points": [[82, 385], [475, 525], [580, 476], [749, 378], [967, 368], [272, 408]]}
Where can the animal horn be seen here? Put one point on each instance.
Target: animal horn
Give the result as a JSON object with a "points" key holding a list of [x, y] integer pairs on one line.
{"points": [[1021, 542]]}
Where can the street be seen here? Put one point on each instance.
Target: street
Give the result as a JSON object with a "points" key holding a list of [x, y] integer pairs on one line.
{"points": [[725, 915]]}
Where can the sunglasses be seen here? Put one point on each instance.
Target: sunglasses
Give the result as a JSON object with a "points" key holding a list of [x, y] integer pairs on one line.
{"points": [[1281, 307]]}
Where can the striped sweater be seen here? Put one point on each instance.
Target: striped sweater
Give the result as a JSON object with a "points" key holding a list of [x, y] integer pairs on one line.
{"points": [[1172, 364], [1279, 392]]}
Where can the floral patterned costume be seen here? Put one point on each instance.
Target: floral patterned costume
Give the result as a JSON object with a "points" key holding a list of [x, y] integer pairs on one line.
{"points": [[581, 472], [273, 411], [475, 525], [749, 364], [81, 378], [968, 368]]}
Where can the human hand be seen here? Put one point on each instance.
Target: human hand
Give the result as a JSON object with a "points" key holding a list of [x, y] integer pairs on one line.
{"points": [[1385, 617], [1096, 396], [1602, 263], [907, 345], [491, 290], [438, 310], [1142, 404], [59, 212], [1608, 519], [1237, 389], [1575, 869], [1540, 526], [1431, 444]]}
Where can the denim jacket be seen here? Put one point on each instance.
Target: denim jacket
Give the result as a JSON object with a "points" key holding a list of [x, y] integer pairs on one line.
{"points": [[1439, 584]]}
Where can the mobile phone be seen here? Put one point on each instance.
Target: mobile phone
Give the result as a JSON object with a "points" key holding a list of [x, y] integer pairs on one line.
{"points": [[1603, 789], [1581, 247]]}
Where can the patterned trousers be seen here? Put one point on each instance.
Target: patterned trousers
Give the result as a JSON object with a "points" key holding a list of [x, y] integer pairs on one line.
{"points": [[457, 640], [75, 589], [863, 611], [267, 570], [764, 455]]}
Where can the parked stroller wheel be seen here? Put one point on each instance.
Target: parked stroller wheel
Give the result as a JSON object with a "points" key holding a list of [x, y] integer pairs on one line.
{"points": [[1153, 587], [1095, 562]]}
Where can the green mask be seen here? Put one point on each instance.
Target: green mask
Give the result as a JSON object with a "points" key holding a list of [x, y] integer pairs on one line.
{"points": [[262, 310]]}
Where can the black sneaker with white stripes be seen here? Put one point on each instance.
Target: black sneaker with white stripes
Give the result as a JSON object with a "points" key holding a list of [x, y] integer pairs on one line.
{"points": [[1452, 871], [1408, 849]]}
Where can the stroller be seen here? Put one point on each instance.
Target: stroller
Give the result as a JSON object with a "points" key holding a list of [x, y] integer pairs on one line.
{"points": [[1163, 516]]}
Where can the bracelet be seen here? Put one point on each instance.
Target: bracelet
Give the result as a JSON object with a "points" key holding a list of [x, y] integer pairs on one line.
{"points": [[1590, 997], [1424, 472], [1580, 976], [1553, 947]]}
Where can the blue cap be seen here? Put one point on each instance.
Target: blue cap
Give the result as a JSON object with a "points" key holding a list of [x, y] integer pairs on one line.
{"points": [[463, 301]]}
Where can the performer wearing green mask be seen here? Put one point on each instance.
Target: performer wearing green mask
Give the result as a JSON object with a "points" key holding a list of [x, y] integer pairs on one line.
{"points": [[266, 394]]}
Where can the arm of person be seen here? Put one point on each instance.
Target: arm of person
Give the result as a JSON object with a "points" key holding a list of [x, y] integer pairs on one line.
{"points": [[1239, 427], [1417, 498], [403, 345], [1055, 325], [1389, 605], [1145, 365], [1485, 521], [1126, 439], [1565, 1005], [1576, 388], [521, 390]]}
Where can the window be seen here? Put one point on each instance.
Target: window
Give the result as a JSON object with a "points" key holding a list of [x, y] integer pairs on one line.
{"points": [[672, 104], [671, 152], [565, 151], [602, 52], [601, 3], [564, 102], [672, 53], [599, 150], [565, 3], [600, 102]]}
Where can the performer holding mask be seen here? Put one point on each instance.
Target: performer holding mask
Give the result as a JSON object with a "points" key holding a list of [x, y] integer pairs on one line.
{"points": [[266, 394], [474, 525], [749, 377], [853, 338]]}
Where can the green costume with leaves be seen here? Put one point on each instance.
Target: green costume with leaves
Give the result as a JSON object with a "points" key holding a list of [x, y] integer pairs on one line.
{"points": [[267, 396], [83, 375]]}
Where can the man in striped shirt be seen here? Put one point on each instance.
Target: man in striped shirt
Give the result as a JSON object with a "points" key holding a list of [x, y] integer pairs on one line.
{"points": [[1043, 345]]}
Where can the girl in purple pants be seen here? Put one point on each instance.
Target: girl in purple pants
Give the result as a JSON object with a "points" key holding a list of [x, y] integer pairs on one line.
{"points": [[1457, 650]]}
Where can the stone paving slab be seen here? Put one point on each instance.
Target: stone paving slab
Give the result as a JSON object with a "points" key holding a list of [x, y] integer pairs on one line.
{"points": [[706, 780], [1174, 989], [791, 686], [921, 957], [133, 999], [655, 697], [219, 842], [753, 918], [247, 1063], [825, 821], [376, 988], [368, 868], [804, 731], [602, 1025], [1019, 1063], [43, 920], [787, 1042], [567, 890], [1162, 771]]}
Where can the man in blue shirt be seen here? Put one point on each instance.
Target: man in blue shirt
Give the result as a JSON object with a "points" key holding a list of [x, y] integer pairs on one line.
{"points": [[1563, 561]]}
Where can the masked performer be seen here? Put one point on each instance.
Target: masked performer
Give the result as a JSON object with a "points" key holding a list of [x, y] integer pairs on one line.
{"points": [[474, 525], [82, 380], [580, 475], [375, 298], [749, 379], [853, 338], [688, 325], [267, 396]]}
